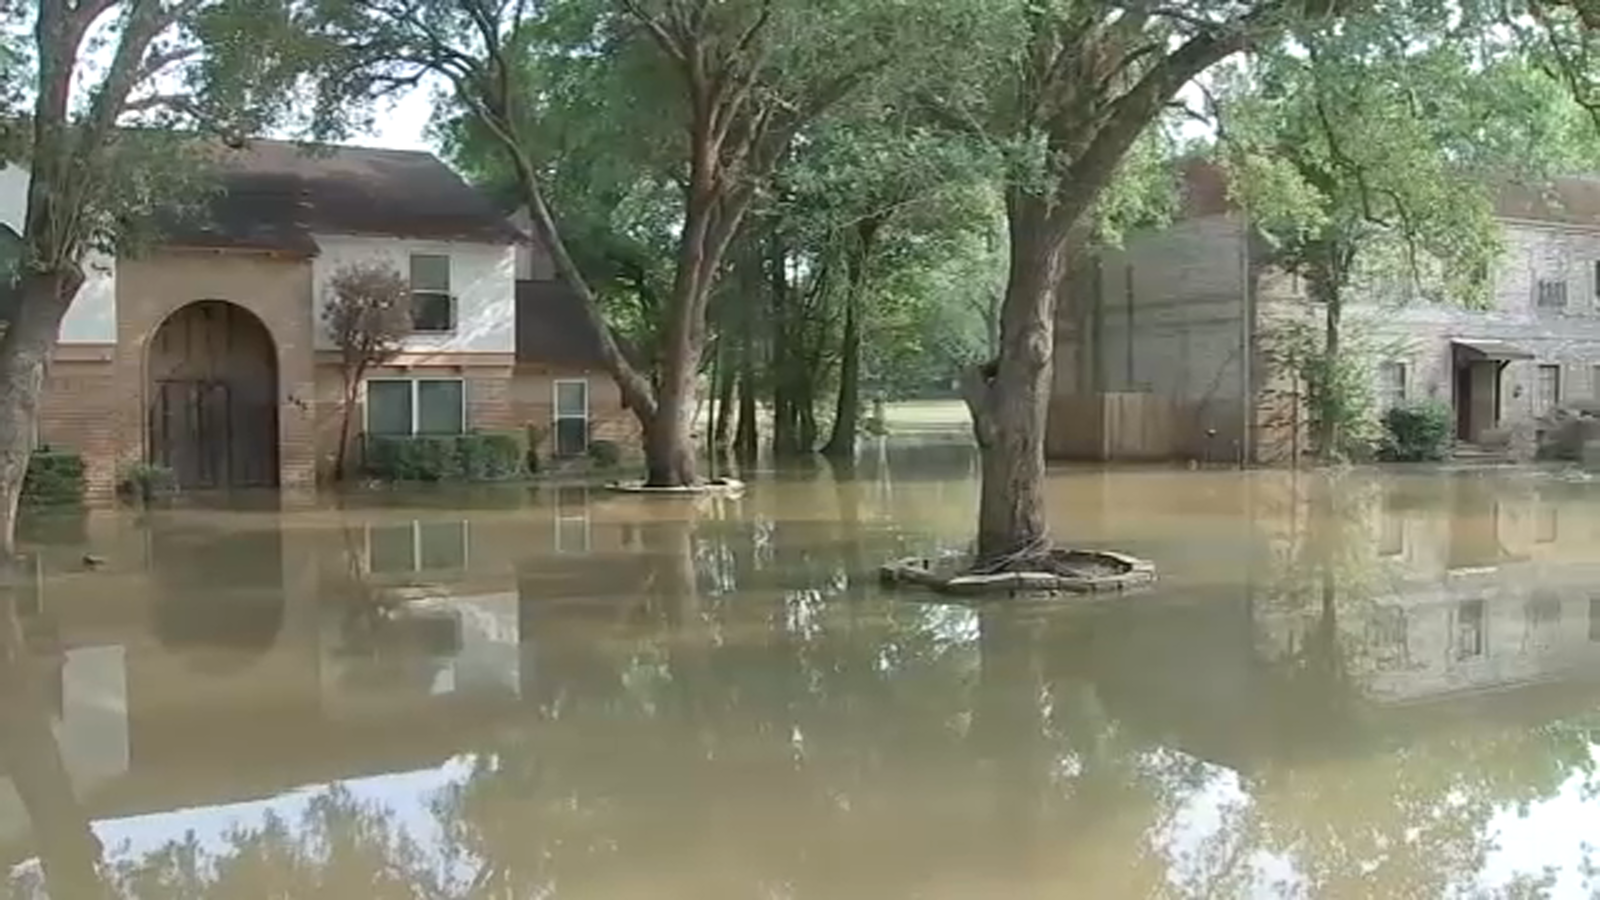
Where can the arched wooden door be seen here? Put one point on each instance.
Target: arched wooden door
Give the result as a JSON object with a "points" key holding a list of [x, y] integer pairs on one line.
{"points": [[213, 416]]}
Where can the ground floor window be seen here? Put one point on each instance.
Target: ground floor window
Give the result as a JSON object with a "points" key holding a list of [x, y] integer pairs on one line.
{"points": [[1392, 384], [1470, 638], [1549, 388], [411, 406], [571, 416]]}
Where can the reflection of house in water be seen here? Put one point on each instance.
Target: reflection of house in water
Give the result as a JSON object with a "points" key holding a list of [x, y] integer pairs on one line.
{"points": [[1493, 589], [217, 661]]}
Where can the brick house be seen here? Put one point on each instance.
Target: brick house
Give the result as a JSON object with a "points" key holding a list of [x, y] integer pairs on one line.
{"points": [[207, 353], [1163, 346]]}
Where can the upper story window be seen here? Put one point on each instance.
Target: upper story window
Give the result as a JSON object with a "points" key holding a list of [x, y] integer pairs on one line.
{"points": [[1552, 294], [433, 307]]}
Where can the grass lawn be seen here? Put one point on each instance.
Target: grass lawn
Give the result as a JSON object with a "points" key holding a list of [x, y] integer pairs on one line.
{"points": [[925, 416]]}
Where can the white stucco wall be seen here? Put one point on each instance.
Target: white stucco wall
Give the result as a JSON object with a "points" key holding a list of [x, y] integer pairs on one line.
{"points": [[92, 318], [482, 277]]}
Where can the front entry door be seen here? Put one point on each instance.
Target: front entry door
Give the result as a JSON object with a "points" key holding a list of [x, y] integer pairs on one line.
{"points": [[208, 438]]}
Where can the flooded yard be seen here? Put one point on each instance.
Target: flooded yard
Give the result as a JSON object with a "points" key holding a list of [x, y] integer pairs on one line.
{"points": [[1349, 685]]}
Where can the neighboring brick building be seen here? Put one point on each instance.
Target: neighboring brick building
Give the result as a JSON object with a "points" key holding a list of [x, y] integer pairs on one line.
{"points": [[1151, 338], [208, 354]]}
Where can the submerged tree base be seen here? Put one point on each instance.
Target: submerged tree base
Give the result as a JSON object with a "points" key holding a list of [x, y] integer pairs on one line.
{"points": [[1057, 571], [718, 487]]}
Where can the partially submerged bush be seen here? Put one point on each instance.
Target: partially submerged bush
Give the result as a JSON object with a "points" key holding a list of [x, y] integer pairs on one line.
{"points": [[605, 454], [146, 482], [54, 478], [464, 457], [1418, 432], [1564, 432], [534, 439]]}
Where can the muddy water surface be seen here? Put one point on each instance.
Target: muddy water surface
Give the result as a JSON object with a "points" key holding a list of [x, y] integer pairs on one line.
{"points": [[1345, 686]]}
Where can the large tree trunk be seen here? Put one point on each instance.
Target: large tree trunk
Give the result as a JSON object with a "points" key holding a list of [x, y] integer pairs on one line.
{"points": [[1327, 437], [25, 351], [747, 437], [668, 435], [1009, 398], [68, 848], [341, 463], [722, 419], [847, 412]]}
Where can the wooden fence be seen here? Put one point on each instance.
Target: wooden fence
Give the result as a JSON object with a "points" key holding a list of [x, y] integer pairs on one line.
{"points": [[1142, 427]]}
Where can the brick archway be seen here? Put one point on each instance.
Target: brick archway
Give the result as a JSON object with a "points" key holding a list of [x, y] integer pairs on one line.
{"points": [[212, 416]]}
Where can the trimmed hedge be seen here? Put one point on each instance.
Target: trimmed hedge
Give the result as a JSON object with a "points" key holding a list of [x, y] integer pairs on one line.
{"points": [[464, 457], [54, 478]]}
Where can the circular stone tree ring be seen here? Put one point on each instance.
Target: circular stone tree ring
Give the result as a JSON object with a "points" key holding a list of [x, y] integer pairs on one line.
{"points": [[1060, 572]]}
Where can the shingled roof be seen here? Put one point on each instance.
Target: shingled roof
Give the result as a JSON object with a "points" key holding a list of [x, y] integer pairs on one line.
{"points": [[274, 195], [553, 328], [1569, 200]]}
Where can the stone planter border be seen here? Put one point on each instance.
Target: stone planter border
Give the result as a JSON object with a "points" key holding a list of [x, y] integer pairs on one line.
{"points": [[716, 487], [945, 576]]}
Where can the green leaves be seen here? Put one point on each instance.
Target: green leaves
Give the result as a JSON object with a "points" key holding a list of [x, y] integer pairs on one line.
{"points": [[1374, 150]]}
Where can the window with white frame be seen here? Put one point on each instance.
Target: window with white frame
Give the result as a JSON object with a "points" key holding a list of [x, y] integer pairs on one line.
{"points": [[402, 407], [1552, 293], [1393, 383], [433, 307], [571, 416], [1549, 396], [1471, 640]]}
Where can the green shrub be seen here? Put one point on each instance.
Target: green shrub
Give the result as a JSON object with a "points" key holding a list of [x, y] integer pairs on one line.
{"points": [[54, 478], [1419, 432], [465, 457], [605, 454], [146, 482], [491, 457]]}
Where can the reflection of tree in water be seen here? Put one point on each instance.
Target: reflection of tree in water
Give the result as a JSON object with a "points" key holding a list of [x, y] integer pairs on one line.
{"points": [[732, 718], [337, 848]]}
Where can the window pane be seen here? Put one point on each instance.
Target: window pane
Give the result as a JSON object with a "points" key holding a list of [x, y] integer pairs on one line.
{"points": [[1549, 387], [432, 312], [439, 407], [1469, 629], [572, 398], [430, 273], [444, 545], [389, 407], [572, 436], [10, 269], [391, 549]]}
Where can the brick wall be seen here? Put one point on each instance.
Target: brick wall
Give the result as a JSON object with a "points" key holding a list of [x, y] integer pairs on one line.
{"points": [[1162, 315], [533, 401], [79, 412]]}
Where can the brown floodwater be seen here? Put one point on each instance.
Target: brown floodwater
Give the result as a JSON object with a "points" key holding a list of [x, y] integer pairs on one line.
{"points": [[1360, 684]]}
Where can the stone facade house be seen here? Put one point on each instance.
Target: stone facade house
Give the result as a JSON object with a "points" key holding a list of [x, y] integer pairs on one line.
{"points": [[1164, 346], [207, 353]]}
